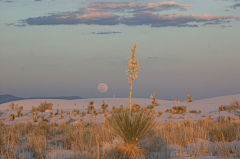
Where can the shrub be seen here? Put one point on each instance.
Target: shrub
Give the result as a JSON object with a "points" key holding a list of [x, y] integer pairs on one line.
{"points": [[104, 107], [224, 132], [12, 117], [150, 106], [159, 113], [57, 113], [195, 111], [83, 114], [168, 111], [179, 109], [133, 129], [42, 107], [232, 106], [136, 107]]}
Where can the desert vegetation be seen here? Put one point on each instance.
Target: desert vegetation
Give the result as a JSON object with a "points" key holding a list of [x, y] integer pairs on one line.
{"points": [[122, 133]]}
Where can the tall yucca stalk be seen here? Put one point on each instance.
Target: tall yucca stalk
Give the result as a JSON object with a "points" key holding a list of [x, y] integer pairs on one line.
{"points": [[132, 72]]}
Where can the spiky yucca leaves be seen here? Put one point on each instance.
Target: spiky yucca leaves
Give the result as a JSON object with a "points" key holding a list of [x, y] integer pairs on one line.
{"points": [[133, 129]]}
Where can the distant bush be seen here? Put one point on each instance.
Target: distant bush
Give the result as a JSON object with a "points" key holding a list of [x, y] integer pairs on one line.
{"points": [[231, 106], [179, 109], [195, 111], [12, 106], [168, 111], [150, 106], [42, 107]]}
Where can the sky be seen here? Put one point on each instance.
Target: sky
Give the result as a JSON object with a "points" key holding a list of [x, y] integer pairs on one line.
{"points": [[67, 48]]}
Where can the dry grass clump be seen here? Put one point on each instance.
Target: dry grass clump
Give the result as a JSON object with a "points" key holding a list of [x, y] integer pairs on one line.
{"points": [[179, 109], [133, 129], [231, 106], [89, 140], [42, 107], [168, 111], [195, 111], [150, 106]]}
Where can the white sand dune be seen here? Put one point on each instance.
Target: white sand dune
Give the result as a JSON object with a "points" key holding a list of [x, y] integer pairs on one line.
{"points": [[209, 108]]}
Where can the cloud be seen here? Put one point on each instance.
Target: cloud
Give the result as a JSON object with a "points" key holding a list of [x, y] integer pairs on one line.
{"points": [[237, 18], [7, 1], [235, 5], [159, 20], [106, 32], [102, 13], [224, 26], [228, 0], [154, 57]]}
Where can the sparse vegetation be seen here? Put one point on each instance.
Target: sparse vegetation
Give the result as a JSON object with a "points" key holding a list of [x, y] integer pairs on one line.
{"points": [[42, 107], [179, 109], [231, 106], [189, 98], [13, 106], [132, 130], [195, 111]]}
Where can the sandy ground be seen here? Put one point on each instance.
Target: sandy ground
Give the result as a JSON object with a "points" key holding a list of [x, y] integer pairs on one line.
{"points": [[208, 107]]}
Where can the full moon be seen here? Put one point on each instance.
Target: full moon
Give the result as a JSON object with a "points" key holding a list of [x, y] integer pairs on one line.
{"points": [[102, 87]]}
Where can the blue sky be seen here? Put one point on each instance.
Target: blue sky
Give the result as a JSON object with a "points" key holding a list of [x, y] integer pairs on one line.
{"points": [[66, 48]]}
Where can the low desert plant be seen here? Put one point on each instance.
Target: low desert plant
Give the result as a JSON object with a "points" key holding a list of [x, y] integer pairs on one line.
{"points": [[57, 113], [83, 114], [150, 106], [42, 107], [189, 98], [168, 111], [154, 102], [68, 112], [159, 113], [179, 109], [133, 129], [12, 117], [136, 107], [195, 111], [231, 106], [13, 106]]}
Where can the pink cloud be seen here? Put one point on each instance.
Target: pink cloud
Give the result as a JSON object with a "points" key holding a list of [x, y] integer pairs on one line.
{"points": [[237, 17], [96, 16]]}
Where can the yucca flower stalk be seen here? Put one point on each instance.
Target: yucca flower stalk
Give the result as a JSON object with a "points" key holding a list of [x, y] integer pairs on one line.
{"points": [[132, 72]]}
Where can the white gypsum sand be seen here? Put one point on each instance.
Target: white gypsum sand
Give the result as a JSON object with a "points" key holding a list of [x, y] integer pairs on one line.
{"points": [[201, 148]]}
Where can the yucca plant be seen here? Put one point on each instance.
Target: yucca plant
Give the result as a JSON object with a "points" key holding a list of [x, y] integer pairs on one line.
{"points": [[133, 132], [132, 72]]}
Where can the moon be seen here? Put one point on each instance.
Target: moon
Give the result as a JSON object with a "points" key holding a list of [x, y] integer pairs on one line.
{"points": [[102, 87]]}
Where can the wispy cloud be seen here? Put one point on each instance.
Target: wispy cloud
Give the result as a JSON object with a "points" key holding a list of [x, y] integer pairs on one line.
{"points": [[154, 57], [106, 32], [228, 0], [235, 6], [102, 13]]}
